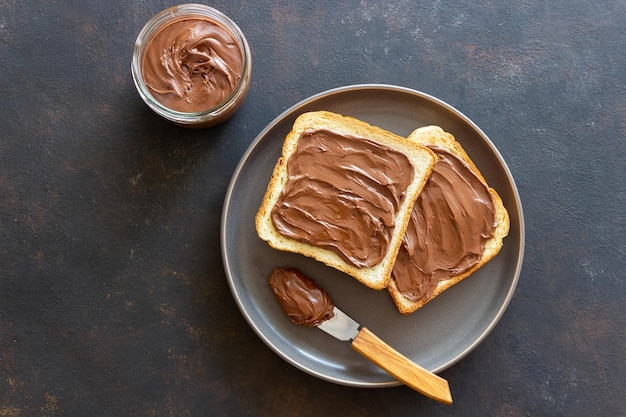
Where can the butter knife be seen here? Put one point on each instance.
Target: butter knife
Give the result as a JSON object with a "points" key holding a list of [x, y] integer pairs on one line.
{"points": [[344, 328], [306, 304]]}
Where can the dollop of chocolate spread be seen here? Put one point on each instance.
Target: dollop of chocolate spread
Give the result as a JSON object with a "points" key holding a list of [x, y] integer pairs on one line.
{"points": [[300, 298], [451, 220], [343, 193], [192, 65]]}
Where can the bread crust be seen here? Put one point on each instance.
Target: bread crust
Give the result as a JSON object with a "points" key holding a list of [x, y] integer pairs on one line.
{"points": [[435, 135], [422, 159]]}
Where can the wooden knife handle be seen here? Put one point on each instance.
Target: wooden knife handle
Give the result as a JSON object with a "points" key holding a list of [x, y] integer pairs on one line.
{"points": [[401, 368]]}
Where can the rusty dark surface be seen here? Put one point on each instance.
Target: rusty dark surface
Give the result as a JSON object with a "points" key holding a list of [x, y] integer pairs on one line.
{"points": [[113, 297]]}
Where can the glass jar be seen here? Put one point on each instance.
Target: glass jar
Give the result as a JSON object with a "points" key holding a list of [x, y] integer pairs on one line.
{"points": [[160, 27]]}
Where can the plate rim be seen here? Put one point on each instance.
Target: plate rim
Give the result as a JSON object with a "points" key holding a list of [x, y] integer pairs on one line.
{"points": [[337, 91]]}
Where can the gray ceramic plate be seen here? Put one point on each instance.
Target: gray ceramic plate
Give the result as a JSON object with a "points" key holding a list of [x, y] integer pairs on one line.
{"points": [[436, 336]]}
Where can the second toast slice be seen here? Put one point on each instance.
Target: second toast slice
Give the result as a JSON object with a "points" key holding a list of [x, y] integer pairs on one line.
{"points": [[457, 225]]}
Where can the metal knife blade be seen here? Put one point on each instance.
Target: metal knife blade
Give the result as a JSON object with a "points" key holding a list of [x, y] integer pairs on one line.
{"points": [[340, 326]]}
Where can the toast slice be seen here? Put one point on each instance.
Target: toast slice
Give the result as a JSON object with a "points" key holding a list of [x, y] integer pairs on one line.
{"points": [[421, 162], [433, 283]]}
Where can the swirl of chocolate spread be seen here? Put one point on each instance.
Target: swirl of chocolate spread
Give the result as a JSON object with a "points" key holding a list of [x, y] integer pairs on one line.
{"points": [[301, 299], [451, 220], [343, 193], [192, 65]]}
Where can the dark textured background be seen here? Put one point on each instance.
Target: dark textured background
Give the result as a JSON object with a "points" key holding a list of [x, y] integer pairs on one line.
{"points": [[113, 299]]}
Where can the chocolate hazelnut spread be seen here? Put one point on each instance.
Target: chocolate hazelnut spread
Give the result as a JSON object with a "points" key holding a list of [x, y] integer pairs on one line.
{"points": [[300, 298], [343, 193], [192, 65], [451, 220]]}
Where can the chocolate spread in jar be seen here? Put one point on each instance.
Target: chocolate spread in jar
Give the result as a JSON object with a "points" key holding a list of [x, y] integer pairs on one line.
{"points": [[192, 65], [301, 299], [451, 220], [343, 193]]}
